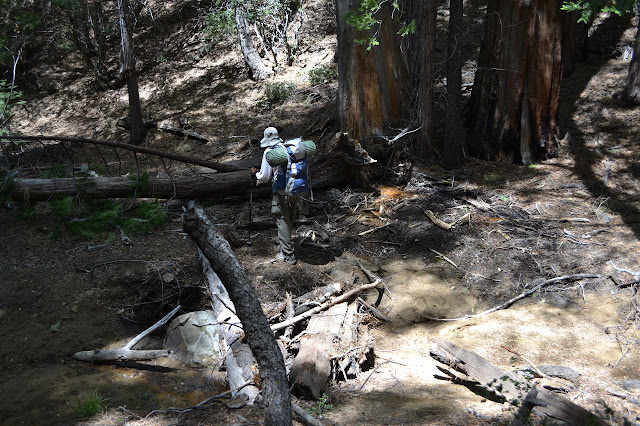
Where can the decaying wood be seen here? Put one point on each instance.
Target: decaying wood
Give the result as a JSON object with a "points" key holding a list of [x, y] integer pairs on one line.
{"points": [[126, 353], [182, 132], [439, 223], [209, 186], [311, 368], [520, 296], [325, 306], [510, 387], [109, 356], [239, 359], [261, 340]]}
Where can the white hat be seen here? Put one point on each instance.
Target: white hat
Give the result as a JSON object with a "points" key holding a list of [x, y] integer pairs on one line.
{"points": [[271, 138]]}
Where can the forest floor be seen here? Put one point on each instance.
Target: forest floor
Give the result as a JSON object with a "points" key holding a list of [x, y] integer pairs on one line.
{"points": [[576, 214]]}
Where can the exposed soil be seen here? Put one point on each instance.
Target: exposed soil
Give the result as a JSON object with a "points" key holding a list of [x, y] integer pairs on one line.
{"points": [[577, 214]]}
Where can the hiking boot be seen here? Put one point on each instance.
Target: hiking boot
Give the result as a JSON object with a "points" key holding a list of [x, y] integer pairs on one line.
{"points": [[279, 258], [291, 260]]}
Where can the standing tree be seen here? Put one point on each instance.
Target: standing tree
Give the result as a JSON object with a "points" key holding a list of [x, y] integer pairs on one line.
{"points": [[631, 91], [419, 43], [374, 85], [257, 69], [137, 131], [452, 149], [514, 103]]}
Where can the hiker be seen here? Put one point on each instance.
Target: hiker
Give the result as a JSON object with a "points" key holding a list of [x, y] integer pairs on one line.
{"points": [[289, 184]]}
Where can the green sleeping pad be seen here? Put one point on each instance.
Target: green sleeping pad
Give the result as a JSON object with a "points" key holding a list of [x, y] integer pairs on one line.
{"points": [[278, 155]]}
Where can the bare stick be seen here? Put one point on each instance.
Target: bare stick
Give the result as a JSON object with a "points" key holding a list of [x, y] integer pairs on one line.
{"points": [[439, 223], [151, 329], [325, 306], [513, 351], [520, 296], [445, 258], [126, 353], [308, 418]]}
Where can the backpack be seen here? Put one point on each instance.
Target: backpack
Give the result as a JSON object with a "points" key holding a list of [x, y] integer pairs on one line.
{"points": [[292, 177]]}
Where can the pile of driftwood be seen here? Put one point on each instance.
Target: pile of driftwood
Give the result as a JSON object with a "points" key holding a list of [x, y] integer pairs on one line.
{"points": [[299, 345]]}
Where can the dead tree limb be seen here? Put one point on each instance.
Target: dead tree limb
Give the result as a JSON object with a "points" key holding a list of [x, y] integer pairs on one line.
{"points": [[511, 388], [325, 306], [260, 338], [518, 297], [126, 353], [220, 167]]}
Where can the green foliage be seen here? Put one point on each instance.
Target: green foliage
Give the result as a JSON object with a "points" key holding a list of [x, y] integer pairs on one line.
{"points": [[322, 405], [587, 9], [363, 18], [322, 74], [141, 182], [149, 216], [9, 98], [62, 207], [277, 93], [92, 219], [57, 171], [220, 22], [90, 405]]}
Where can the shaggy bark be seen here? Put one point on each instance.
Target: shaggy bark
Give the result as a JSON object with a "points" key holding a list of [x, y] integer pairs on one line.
{"points": [[374, 88], [420, 48], [260, 338], [452, 150], [514, 104]]}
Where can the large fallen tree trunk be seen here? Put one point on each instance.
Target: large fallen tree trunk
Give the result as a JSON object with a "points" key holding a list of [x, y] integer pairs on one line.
{"points": [[509, 387], [338, 166], [260, 338]]}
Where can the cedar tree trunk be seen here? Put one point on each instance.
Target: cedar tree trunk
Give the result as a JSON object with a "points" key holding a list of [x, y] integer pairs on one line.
{"points": [[514, 104], [374, 87], [452, 149], [137, 132], [420, 48], [631, 92]]}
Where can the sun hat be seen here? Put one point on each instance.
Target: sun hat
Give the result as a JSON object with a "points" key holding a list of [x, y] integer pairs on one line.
{"points": [[271, 138]]}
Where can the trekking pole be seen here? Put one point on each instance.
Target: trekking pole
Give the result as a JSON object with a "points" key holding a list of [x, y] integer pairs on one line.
{"points": [[253, 182]]}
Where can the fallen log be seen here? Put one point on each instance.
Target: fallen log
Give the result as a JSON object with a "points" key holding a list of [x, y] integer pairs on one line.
{"points": [[338, 165], [109, 356], [239, 359], [191, 187], [260, 338], [511, 388], [311, 368]]}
